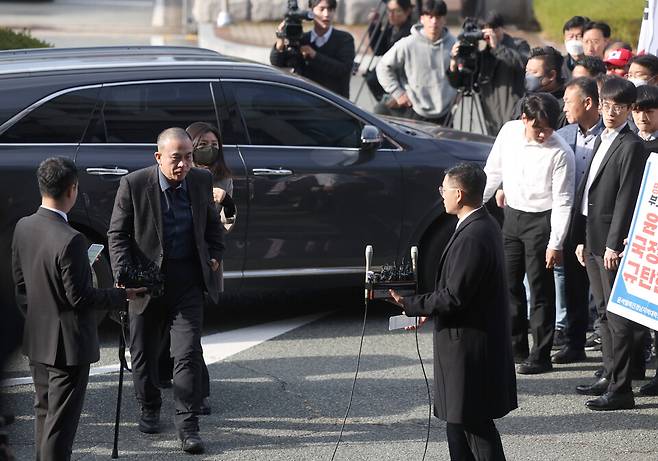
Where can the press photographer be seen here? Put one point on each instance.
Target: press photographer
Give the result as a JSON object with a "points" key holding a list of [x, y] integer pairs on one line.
{"points": [[324, 55], [496, 72]]}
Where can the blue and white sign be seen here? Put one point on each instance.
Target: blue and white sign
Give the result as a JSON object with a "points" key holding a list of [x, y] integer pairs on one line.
{"points": [[635, 292]]}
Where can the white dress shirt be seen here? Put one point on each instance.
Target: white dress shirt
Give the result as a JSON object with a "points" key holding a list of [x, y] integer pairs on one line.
{"points": [[536, 177], [59, 212], [466, 216], [320, 40], [607, 137]]}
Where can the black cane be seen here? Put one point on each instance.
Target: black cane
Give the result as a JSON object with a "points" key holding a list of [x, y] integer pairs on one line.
{"points": [[122, 364]]}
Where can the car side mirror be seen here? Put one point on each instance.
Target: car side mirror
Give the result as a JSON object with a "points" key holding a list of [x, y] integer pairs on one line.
{"points": [[371, 137]]}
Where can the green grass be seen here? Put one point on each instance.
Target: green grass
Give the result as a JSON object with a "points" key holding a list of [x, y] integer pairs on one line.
{"points": [[10, 40], [623, 16]]}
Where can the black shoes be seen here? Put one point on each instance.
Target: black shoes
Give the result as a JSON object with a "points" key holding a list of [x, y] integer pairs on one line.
{"points": [[612, 401], [205, 409], [569, 355], [531, 367], [600, 387], [149, 421], [559, 339], [191, 442], [650, 388]]}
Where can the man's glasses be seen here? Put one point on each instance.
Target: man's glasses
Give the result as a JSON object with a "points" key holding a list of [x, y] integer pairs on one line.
{"points": [[615, 109], [442, 189]]}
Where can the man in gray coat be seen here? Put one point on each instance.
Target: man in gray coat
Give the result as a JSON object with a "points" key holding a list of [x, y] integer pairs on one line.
{"points": [[474, 380]]}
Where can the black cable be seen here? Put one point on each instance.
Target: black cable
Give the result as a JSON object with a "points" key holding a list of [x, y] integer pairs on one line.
{"points": [[429, 394], [356, 374]]}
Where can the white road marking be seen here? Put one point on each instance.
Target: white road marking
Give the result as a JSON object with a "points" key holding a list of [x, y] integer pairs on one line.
{"points": [[216, 347]]}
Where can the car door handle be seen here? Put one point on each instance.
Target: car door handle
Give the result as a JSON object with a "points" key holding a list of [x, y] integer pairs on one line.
{"points": [[270, 172], [107, 171]]}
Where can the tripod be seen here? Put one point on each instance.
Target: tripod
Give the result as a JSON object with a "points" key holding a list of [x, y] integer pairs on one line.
{"points": [[468, 106], [123, 365]]}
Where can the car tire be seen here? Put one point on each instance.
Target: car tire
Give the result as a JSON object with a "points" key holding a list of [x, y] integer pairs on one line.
{"points": [[101, 277], [429, 254]]}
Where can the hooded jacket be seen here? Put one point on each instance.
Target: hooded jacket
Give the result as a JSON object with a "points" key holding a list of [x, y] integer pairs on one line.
{"points": [[417, 66]]}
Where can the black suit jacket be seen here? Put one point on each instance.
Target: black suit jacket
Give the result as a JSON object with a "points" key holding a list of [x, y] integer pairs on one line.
{"points": [[474, 377], [332, 65], [55, 293], [135, 235], [612, 195]]}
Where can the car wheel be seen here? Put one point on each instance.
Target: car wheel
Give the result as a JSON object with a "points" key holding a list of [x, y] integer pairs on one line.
{"points": [[429, 254], [101, 275]]}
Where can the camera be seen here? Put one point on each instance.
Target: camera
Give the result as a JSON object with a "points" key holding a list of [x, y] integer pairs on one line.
{"points": [[292, 32], [148, 276], [468, 52]]}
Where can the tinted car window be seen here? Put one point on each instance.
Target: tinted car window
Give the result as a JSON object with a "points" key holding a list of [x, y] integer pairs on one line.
{"points": [[138, 113], [61, 120], [282, 116]]}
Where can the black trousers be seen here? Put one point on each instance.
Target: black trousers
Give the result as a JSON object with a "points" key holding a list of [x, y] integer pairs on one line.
{"points": [[58, 400], [166, 366], [178, 313], [576, 287], [525, 238], [620, 337], [474, 441]]}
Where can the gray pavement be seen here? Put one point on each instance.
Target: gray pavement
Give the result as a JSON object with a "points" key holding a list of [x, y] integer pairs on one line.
{"points": [[285, 399]]}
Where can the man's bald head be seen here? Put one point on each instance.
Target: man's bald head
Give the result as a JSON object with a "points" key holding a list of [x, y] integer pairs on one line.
{"points": [[179, 134]]}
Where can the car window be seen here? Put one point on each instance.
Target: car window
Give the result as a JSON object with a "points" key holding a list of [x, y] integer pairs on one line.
{"points": [[138, 113], [63, 119], [283, 116]]}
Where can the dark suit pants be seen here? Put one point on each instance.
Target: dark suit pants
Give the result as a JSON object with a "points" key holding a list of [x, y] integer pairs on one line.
{"points": [[620, 337], [166, 367], [525, 238], [178, 313], [576, 287], [474, 441], [59, 397]]}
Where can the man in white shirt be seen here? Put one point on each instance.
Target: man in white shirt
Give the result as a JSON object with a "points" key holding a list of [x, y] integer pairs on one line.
{"points": [[537, 170], [603, 211]]}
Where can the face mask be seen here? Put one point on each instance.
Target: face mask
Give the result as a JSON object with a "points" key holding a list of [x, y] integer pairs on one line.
{"points": [[206, 155], [637, 81], [574, 47], [532, 82]]}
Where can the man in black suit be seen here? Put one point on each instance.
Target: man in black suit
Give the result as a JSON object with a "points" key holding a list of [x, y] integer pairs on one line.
{"points": [[164, 217], [326, 55], [474, 380], [55, 293], [603, 210]]}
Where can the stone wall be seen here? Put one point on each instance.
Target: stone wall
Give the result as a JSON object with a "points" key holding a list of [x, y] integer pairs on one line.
{"points": [[349, 11]]}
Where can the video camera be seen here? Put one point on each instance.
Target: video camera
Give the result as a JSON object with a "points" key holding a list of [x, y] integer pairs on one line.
{"points": [[292, 32], [143, 276], [468, 52]]}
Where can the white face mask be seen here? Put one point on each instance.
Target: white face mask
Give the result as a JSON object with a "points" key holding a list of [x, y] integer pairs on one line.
{"points": [[637, 81], [574, 47]]}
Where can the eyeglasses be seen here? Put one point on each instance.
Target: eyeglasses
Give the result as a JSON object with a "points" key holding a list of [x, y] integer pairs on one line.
{"points": [[442, 189], [614, 109], [394, 11]]}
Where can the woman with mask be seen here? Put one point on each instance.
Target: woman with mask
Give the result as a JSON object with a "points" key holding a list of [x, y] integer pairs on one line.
{"points": [[207, 154]]}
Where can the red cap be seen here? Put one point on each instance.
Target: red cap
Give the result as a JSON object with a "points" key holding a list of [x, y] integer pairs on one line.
{"points": [[619, 57]]}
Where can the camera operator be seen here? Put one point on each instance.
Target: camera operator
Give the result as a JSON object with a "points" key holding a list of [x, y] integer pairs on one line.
{"points": [[55, 293], [396, 26], [497, 72], [324, 55]]}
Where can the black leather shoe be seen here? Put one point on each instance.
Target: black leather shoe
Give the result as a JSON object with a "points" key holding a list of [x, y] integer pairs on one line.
{"points": [[530, 367], [650, 388], [611, 401], [205, 409], [191, 443], [569, 355], [599, 387], [149, 421]]}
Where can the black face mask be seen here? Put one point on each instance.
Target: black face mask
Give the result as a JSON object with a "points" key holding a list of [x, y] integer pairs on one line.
{"points": [[206, 155]]}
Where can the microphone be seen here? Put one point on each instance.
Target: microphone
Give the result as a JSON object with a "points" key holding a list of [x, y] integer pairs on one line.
{"points": [[368, 265], [414, 260]]}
